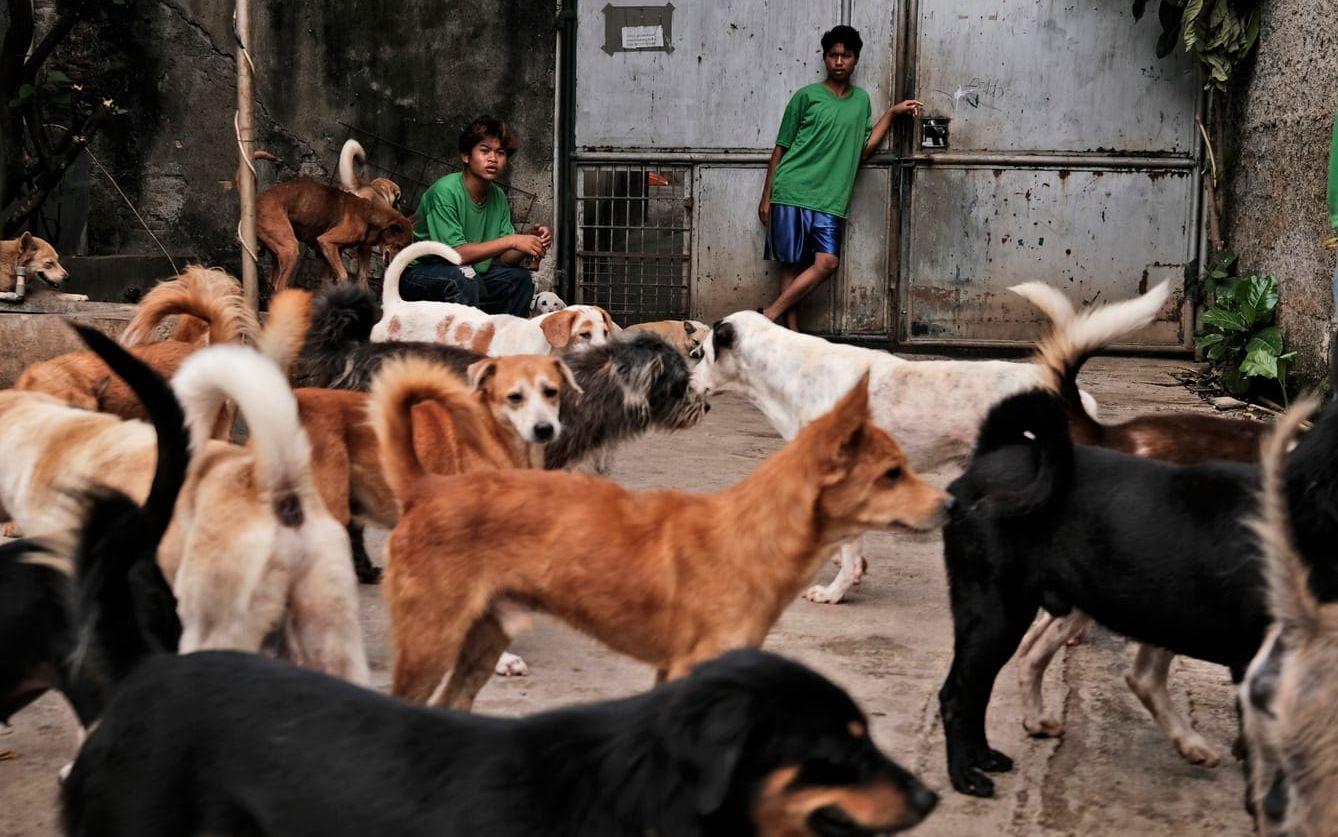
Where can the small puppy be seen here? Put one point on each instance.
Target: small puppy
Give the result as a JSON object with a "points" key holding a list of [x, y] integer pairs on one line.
{"points": [[326, 219], [206, 296], [749, 743], [79, 611], [27, 256], [576, 326], [667, 577], [685, 335], [381, 191], [546, 302]]}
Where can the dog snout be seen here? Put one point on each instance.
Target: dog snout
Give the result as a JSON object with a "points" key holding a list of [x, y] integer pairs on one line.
{"points": [[544, 432], [922, 800]]}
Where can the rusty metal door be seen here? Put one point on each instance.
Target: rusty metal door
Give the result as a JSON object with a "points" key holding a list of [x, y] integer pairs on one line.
{"points": [[1070, 156]]}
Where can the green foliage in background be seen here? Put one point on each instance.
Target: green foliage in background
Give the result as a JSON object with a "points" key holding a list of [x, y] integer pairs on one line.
{"points": [[1219, 33], [1237, 334]]}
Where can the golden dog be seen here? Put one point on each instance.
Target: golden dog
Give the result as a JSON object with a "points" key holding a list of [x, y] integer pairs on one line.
{"points": [[199, 297], [640, 571]]}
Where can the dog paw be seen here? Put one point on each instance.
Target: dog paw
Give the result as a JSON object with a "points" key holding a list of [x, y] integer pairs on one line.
{"points": [[1197, 751], [993, 761], [368, 573], [509, 665], [10, 529], [1043, 727], [74, 297], [824, 595], [972, 783]]}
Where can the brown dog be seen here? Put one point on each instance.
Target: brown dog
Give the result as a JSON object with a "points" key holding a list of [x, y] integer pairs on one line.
{"points": [[686, 336], [381, 191], [27, 256], [641, 571], [327, 219], [200, 295], [348, 470]]}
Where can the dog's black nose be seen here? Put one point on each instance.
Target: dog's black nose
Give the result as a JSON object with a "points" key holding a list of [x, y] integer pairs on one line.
{"points": [[706, 407], [923, 800], [543, 432]]}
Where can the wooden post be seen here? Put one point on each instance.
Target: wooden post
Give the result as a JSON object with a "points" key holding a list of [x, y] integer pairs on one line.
{"points": [[246, 176]]}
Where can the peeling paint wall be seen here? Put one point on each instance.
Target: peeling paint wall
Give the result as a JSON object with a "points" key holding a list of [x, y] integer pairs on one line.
{"points": [[415, 73], [1277, 210]]}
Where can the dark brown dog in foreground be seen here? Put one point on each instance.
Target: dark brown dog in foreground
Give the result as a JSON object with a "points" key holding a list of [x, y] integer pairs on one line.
{"points": [[327, 219], [667, 577]]}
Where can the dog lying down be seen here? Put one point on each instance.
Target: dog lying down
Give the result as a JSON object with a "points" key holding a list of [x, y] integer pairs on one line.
{"points": [[1157, 552], [749, 743], [1289, 700], [666, 577], [80, 610]]}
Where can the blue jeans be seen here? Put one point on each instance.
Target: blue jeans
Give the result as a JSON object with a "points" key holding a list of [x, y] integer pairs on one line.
{"points": [[501, 289]]}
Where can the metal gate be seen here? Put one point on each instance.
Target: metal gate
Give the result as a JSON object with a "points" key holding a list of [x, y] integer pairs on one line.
{"points": [[1056, 146]]}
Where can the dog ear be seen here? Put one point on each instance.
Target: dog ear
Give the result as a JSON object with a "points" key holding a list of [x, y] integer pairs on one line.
{"points": [[689, 327], [841, 430], [557, 328], [722, 336], [613, 327], [564, 370], [26, 244], [705, 733], [480, 372]]}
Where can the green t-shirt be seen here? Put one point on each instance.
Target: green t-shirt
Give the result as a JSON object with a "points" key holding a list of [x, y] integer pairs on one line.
{"points": [[448, 214], [823, 137]]}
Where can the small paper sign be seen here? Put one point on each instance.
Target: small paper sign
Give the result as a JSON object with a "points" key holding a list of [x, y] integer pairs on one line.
{"points": [[643, 37]]}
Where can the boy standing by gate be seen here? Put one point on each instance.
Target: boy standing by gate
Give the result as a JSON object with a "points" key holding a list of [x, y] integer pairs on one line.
{"points": [[826, 131]]}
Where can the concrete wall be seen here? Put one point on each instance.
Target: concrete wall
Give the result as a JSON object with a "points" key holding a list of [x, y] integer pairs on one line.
{"points": [[1283, 120], [414, 72]]}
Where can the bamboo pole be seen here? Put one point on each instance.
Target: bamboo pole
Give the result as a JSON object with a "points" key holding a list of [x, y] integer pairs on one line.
{"points": [[246, 172]]}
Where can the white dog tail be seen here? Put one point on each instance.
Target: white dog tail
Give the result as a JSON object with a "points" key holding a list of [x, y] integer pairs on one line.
{"points": [[409, 380], [211, 377], [1076, 336], [351, 158], [206, 293], [390, 288], [1289, 597]]}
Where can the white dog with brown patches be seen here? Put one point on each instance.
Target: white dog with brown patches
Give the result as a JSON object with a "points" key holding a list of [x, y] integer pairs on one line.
{"points": [[497, 335], [931, 407]]}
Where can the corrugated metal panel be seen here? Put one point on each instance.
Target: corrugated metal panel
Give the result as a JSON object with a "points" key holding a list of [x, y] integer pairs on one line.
{"points": [[1022, 75], [725, 85], [1101, 235]]}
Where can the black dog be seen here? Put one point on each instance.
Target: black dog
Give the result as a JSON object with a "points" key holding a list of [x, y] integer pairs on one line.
{"points": [[219, 742], [1160, 553], [83, 634]]}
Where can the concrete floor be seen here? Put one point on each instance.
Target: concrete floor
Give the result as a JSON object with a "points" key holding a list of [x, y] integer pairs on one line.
{"points": [[1112, 774]]}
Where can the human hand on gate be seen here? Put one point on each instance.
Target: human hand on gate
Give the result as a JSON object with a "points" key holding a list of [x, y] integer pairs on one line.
{"points": [[909, 106]]}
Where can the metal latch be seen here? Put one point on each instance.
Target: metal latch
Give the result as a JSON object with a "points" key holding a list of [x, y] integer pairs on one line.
{"points": [[934, 132]]}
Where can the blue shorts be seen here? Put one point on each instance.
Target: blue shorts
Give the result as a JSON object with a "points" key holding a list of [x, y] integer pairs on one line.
{"points": [[796, 234]]}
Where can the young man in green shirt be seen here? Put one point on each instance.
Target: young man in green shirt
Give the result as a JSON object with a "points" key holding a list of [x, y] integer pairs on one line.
{"points": [[468, 211], [826, 131]]}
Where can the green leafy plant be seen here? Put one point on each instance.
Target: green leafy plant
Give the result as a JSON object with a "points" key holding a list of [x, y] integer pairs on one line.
{"points": [[1238, 336], [1219, 33]]}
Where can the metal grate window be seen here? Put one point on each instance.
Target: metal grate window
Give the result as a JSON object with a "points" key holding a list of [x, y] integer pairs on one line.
{"points": [[634, 224]]}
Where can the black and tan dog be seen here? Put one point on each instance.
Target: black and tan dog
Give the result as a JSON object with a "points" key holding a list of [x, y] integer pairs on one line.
{"points": [[749, 743], [1160, 553], [77, 614]]}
